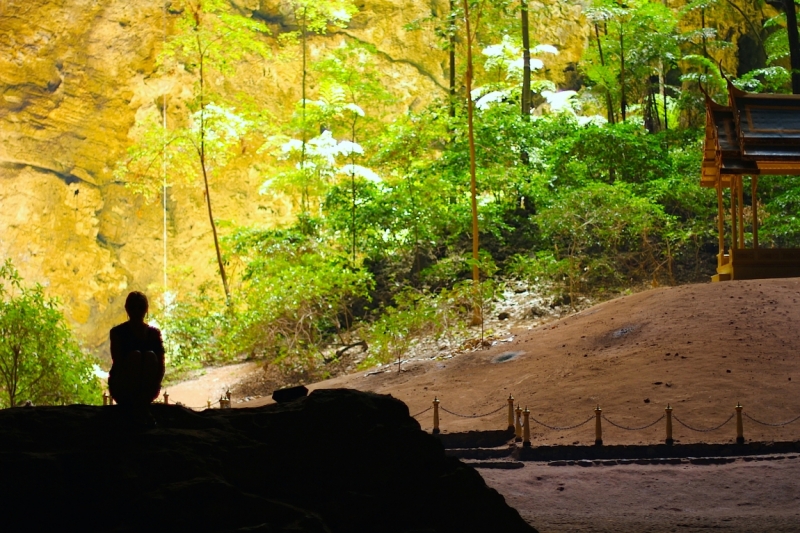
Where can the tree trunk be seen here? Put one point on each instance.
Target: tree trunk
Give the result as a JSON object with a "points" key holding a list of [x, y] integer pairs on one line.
{"points": [[353, 186], [476, 310], [214, 225], [202, 153], [451, 30], [623, 103], [794, 43], [526, 61], [304, 194], [702, 26], [609, 102], [526, 72], [662, 86]]}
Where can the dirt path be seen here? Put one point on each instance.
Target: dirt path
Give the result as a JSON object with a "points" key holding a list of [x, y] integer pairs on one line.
{"points": [[210, 386], [740, 497]]}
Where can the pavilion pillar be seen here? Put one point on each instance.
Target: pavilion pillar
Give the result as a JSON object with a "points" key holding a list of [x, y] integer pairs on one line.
{"points": [[734, 229], [754, 187], [720, 223], [740, 205]]}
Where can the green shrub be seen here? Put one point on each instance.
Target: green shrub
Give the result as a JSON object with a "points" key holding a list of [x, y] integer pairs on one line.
{"points": [[296, 296], [194, 327], [40, 360]]}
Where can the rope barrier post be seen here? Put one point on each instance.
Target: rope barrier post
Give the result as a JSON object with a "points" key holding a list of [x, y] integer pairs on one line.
{"points": [[221, 402], [739, 426], [518, 424], [435, 415], [208, 403], [105, 398], [510, 412], [526, 429], [598, 426], [166, 398], [668, 411]]}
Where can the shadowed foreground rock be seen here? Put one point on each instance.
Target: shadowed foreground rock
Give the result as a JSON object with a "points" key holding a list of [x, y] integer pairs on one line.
{"points": [[337, 460]]}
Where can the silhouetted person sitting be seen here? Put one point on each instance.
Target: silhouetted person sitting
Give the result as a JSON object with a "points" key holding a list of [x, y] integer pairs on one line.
{"points": [[137, 355]]}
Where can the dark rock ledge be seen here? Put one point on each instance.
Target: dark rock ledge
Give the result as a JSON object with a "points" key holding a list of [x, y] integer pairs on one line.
{"points": [[335, 461]]}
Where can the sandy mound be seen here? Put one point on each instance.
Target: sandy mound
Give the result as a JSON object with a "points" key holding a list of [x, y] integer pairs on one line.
{"points": [[700, 348]]}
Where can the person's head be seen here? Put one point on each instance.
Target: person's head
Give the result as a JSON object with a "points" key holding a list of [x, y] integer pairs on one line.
{"points": [[136, 305]]}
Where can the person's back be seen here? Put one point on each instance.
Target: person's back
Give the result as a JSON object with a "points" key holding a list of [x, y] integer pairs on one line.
{"points": [[137, 354]]}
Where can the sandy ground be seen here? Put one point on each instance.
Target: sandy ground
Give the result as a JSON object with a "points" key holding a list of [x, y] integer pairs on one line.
{"points": [[740, 497], [211, 385], [699, 348]]}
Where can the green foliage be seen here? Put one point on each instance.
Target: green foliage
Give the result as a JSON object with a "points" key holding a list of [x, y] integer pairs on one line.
{"points": [[607, 234], [780, 223], [380, 245], [297, 295], [212, 40], [765, 80], [621, 152], [421, 314], [317, 15], [211, 35], [220, 129], [40, 359], [194, 328], [638, 42]]}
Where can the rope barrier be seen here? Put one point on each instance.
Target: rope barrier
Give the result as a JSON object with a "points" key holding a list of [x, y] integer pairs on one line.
{"points": [[203, 407], [633, 429], [473, 416], [522, 424], [795, 419], [556, 428], [687, 426], [421, 412]]}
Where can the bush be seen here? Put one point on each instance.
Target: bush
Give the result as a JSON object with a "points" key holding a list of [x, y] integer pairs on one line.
{"points": [[604, 236], [193, 327], [40, 360], [297, 296]]}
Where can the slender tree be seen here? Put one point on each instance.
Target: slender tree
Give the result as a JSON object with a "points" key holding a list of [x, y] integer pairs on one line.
{"points": [[526, 71], [526, 62], [313, 17], [609, 100], [210, 41], [794, 43], [451, 51], [477, 317]]}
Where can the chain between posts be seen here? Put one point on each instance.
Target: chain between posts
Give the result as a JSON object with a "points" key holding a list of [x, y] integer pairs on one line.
{"points": [[687, 426], [795, 419], [422, 412], [515, 416], [556, 428], [473, 416], [633, 429]]}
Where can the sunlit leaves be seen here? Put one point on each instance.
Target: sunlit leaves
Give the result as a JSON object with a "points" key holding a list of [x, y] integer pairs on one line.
{"points": [[40, 360]]}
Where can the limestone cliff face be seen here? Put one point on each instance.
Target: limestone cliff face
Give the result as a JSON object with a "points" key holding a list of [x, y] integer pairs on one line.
{"points": [[74, 77]]}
